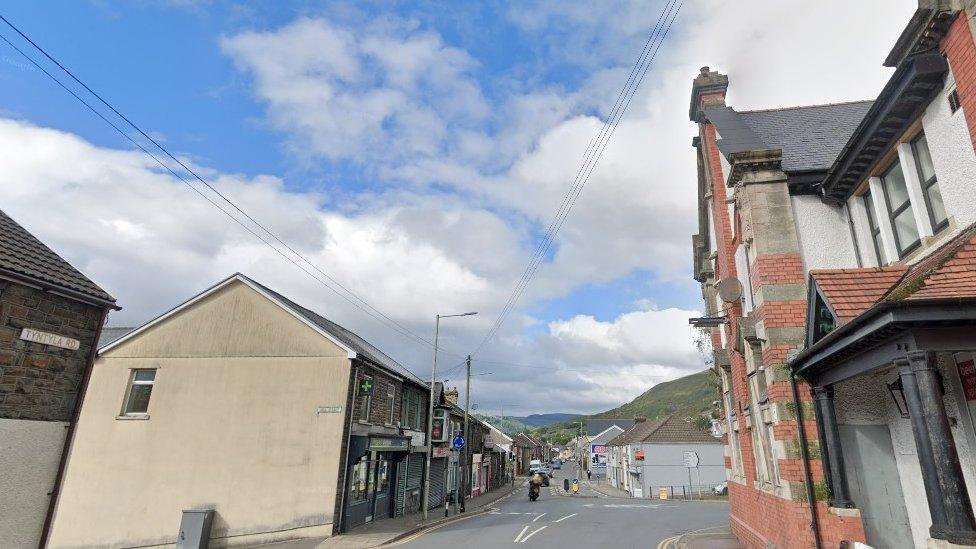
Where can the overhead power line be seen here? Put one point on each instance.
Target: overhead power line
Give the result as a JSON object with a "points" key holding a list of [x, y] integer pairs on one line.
{"points": [[268, 238], [591, 158]]}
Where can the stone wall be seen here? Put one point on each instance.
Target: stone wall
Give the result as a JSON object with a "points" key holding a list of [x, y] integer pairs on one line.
{"points": [[41, 382]]}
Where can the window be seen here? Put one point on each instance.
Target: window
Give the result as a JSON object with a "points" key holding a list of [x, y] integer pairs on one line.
{"points": [[900, 209], [875, 230], [361, 487], [365, 399], [953, 99], [730, 418], [140, 389], [930, 184], [823, 320], [391, 402], [411, 410]]}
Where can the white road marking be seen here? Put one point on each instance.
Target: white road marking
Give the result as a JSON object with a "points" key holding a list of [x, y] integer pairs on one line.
{"points": [[538, 517], [588, 505], [526, 538], [520, 533], [632, 506], [564, 518], [665, 543]]}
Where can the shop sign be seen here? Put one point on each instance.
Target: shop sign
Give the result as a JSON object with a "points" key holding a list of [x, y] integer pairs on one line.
{"points": [[393, 444], [366, 387], [967, 374], [47, 338], [441, 451]]}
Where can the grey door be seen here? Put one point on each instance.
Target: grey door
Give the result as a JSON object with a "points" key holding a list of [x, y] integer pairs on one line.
{"points": [[875, 485]]}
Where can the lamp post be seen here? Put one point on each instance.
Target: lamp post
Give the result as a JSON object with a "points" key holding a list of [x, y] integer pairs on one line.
{"points": [[430, 409]]}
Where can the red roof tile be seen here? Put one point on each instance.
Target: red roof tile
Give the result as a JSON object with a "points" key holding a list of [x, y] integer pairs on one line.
{"points": [[949, 272], [850, 292]]}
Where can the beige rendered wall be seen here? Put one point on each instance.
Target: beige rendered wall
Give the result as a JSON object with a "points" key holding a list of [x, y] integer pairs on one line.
{"points": [[233, 425], [29, 455]]}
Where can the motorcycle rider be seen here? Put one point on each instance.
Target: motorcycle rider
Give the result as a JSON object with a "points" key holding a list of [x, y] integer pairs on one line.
{"points": [[535, 484]]}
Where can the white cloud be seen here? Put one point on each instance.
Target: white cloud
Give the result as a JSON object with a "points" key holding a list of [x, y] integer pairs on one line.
{"points": [[399, 100]]}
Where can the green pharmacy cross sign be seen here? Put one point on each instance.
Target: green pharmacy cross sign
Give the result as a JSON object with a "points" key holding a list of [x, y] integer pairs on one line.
{"points": [[366, 387]]}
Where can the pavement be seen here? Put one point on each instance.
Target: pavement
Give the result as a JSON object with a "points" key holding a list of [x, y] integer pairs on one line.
{"points": [[589, 519], [387, 531]]}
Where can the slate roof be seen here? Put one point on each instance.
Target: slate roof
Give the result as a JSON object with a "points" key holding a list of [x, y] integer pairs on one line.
{"points": [[667, 430], [810, 137], [21, 253], [350, 339], [110, 334], [596, 426], [524, 441], [850, 292]]}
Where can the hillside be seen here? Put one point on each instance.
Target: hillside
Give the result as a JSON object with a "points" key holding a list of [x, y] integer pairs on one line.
{"points": [[690, 397]]}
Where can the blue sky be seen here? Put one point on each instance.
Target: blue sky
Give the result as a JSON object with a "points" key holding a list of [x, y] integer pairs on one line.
{"points": [[414, 150]]}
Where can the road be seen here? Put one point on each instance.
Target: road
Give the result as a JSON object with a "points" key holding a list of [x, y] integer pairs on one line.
{"points": [[583, 521]]}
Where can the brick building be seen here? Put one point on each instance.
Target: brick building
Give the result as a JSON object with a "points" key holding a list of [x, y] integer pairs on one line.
{"points": [[50, 318], [835, 254]]}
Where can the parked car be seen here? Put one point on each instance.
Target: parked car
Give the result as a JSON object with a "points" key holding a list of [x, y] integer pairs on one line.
{"points": [[546, 470], [557, 463], [721, 489]]}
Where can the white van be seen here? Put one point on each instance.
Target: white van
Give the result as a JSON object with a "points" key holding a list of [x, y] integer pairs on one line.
{"points": [[535, 465]]}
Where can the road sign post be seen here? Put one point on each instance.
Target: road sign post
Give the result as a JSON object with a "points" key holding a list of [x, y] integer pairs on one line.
{"points": [[690, 462]]}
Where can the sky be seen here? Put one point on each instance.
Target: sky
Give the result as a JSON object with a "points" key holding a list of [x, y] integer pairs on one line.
{"points": [[415, 152]]}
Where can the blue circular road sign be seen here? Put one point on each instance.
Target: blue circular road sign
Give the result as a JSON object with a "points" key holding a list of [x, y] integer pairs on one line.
{"points": [[458, 442]]}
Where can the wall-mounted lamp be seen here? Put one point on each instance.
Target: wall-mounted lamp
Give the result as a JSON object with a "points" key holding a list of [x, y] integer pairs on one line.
{"points": [[897, 391]]}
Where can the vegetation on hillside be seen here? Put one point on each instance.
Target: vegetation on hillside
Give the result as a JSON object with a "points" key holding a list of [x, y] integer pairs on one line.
{"points": [[692, 397]]}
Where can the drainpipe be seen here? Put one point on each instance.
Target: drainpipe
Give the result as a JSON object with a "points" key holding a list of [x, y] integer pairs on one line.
{"points": [[805, 457], [70, 436], [350, 404]]}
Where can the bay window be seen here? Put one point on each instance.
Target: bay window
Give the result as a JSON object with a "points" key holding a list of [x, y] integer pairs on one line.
{"points": [[929, 183], [874, 229], [900, 212]]}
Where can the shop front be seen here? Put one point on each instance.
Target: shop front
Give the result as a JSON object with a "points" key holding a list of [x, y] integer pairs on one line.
{"points": [[375, 482]]}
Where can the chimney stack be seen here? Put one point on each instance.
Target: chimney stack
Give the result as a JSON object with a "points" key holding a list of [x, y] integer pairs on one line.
{"points": [[707, 90], [641, 419], [451, 395]]}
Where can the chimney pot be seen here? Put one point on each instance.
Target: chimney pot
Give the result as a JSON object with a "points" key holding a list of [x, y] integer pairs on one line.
{"points": [[705, 70]]}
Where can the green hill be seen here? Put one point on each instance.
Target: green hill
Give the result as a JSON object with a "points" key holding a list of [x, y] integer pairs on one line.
{"points": [[689, 397]]}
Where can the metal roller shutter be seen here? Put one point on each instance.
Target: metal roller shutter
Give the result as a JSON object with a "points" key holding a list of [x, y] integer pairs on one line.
{"points": [[438, 470]]}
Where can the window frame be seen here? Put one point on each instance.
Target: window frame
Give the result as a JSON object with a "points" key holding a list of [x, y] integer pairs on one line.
{"points": [[927, 184], [365, 401], [133, 382], [893, 213], [391, 399], [874, 229]]}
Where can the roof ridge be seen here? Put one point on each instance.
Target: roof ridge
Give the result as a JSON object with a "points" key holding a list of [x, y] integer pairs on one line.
{"points": [[798, 107]]}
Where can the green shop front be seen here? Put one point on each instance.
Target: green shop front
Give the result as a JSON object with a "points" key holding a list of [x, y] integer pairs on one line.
{"points": [[384, 479]]}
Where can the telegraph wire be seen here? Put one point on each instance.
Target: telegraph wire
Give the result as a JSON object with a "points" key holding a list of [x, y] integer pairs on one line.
{"points": [[590, 160], [349, 295]]}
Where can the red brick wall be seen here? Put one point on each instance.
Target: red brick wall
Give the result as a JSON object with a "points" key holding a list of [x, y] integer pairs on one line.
{"points": [[760, 519], [960, 49]]}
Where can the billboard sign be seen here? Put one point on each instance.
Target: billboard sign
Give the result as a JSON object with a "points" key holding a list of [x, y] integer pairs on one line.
{"points": [[598, 455]]}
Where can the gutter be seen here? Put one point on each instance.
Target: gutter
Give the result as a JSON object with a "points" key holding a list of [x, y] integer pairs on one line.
{"points": [[70, 436], [59, 289]]}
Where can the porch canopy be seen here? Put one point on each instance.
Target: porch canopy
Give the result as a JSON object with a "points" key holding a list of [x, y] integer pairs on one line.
{"points": [[863, 320]]}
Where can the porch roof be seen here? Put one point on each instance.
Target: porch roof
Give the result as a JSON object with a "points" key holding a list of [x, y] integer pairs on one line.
{"points": [[938, 291]]}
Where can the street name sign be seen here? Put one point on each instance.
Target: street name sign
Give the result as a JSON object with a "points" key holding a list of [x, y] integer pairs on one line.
{"points": [[47, 338]]}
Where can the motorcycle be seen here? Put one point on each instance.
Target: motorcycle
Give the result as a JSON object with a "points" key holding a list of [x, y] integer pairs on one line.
{"points": [[534, 491]]}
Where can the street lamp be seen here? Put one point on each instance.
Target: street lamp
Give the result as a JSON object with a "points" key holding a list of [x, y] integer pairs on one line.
{"points": [[430, 409]]}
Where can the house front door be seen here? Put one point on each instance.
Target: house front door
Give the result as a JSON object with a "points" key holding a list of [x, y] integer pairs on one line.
{"points": [[875, 486]]}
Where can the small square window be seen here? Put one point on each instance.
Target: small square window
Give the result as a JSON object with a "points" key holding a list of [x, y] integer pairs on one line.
{"points": [[140, 389], [953, 99]]}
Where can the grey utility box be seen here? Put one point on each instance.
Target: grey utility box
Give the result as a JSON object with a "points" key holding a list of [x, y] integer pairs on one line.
{"points": [[195, 529]]}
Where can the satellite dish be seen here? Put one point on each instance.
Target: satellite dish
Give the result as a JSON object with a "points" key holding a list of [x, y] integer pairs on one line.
{"points": [[729, 289]]}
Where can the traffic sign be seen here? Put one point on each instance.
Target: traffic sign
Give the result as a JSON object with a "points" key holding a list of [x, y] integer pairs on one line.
{"points": [[691, 459], [458, 442]]}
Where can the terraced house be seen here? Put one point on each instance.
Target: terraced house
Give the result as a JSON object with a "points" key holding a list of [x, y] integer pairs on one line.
{"points": [[837, 258]]}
